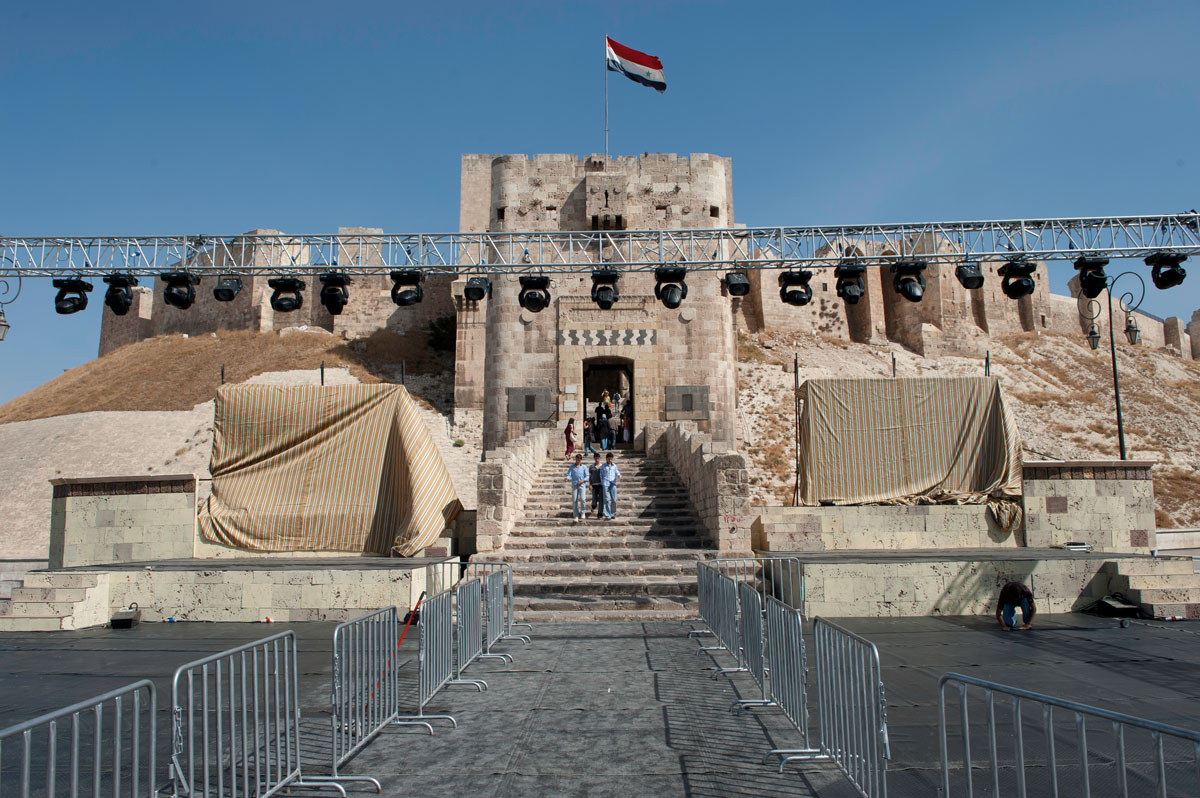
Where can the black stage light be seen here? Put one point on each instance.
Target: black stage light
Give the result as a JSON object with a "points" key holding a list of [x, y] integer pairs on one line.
{"points": [[1092, 279], [406, 287], [969, 275], [334, 291], [850, 285], [604, 287], [181, 288], [1165, 269], [1018, 278], [737, 283], [71, 296], [794, 288], [669, 287], [227, 289], [119, 296], [286, 296], [535, 292], [477, 288], [909, 281]]}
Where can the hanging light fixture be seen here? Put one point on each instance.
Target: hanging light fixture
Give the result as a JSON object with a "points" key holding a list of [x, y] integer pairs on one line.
{"points": [[71, 296], [4, 325], [794, 288], [850, 285], [737, 283], [1093, 337], [227, 288], [909, 281], [180, 291], [1018, 278], [604, 287], [1092, 279], [286, 296], [1165, 269], [477, 289], [969, 275], [334, 291], [669, 286], [535, 292], [406, 287], [1131, 330], [119, 296]]}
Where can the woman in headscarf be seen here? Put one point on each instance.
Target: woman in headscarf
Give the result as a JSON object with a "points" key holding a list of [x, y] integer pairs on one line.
{"points": [[569, 434]]}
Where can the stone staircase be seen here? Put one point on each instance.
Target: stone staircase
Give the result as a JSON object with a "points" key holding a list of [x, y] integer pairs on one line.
{"points": [[55, 600], [1165, 587], [639, 566]]}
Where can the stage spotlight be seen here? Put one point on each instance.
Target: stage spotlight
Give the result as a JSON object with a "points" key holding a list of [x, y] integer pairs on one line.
{"points": [[604, 287], [850, 285], [119, 296], [71, 296], [286, 296], [477, 289], [227, 289], [406, 287], [794, 288], [1092, 279], [669, 287], [969, 275], [909, 281], [1018, 278], [535, 292], [334, 293], [1165, 269], [737, 283], [181, 288]]}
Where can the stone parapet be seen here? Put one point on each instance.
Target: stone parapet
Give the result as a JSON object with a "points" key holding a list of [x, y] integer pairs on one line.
{"points": [[506, 476], [716, 478], [1106, 503], [891, 527]]}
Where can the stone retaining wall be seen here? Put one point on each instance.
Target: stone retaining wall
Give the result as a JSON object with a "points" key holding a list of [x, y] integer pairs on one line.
{"points": [[716, 478], [921, 526], [506, 476], [1107, 503]]}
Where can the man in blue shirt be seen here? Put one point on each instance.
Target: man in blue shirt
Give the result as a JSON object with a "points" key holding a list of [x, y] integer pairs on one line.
{"points": [[609, 474], [577, 475]]}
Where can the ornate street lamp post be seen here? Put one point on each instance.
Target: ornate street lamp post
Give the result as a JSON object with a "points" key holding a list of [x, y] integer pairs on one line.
{"points": [[6, 288], [1090, 311]]}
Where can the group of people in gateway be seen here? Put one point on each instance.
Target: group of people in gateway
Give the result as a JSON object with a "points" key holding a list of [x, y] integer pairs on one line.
{"points": [[613, 421], [600, 477]]}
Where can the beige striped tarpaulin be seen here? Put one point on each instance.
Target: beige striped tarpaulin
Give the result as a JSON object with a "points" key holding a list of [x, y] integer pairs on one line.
{"points": [[311, 468], [865, 441]]}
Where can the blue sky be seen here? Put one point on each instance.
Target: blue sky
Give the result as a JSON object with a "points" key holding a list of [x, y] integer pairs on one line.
{"points": [[156, 118]]}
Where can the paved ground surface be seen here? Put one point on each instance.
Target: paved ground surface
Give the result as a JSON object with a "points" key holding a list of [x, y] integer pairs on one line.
{"points": [[629, 708]]}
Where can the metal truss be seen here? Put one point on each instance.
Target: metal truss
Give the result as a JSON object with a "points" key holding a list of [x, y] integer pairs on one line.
{"points": [[623, 250]]}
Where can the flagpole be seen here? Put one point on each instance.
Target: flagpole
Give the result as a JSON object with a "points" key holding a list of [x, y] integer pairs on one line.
{"points": [[606, 101]]}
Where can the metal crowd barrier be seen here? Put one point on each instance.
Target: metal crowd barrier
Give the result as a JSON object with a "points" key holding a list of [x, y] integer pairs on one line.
{"points": [[705, 597], [1065, 756], [781, 577], [468, 631], [236, 724], [753, 645], [104, 752], [494, 623], [789, 675], [442, 575], [851, 709], [485, 569], [435, 654]]}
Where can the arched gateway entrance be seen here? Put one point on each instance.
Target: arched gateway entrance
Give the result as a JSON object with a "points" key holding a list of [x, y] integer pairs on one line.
{"points": [[615, 375]]}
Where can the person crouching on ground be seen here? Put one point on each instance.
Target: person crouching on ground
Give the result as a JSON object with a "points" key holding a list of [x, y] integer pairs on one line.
{"points": [[1013, 595], [597, 486], [577, 475], [609, 474]]}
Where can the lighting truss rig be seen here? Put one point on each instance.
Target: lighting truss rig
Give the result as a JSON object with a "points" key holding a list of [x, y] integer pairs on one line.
{"points": [[586, 251]]}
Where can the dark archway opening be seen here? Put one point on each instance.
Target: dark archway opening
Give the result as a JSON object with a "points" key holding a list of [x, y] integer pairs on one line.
{"points": [[615, 375]]}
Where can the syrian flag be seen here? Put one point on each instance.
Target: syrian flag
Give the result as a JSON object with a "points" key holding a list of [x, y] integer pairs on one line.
{"points": [[644, 69]]}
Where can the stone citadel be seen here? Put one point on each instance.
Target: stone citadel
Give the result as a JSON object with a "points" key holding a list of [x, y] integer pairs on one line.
{"points": [[516, 370]]}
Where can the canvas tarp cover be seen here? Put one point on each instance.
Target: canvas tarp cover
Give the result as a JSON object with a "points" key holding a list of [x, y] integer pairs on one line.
{"points": [[311, 468], [865, 441]]}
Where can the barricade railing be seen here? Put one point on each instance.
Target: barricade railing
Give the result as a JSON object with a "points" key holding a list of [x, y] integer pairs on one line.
{"points": [[494, 623], [442, 575], [851, 708], [723, 608], [236, 723], [468, 631], [753, 652], [1048, 753], [781, 577], [106, 745], [483, 569], [365, 694], [435, 654], [704, 596], [789, 675]]}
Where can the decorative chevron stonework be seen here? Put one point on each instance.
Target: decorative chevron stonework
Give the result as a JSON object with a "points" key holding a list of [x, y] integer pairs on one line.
{"points": [[607, 337]]}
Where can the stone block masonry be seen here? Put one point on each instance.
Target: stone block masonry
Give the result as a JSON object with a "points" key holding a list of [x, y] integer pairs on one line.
{"points": [[505, 478], [1107, 503], [894, 527]]}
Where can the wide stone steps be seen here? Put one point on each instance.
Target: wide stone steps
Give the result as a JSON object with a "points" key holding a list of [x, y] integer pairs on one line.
{"points": [[563, 608], [579, 543], [45, 602], [624, 568], [568, 553], [1162, 587]]}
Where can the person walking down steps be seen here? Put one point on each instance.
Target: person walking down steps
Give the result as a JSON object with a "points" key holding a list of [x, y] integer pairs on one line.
{"points": [[569, 434], [597, 486], [588, 433], [609, 474], [578, 476]]}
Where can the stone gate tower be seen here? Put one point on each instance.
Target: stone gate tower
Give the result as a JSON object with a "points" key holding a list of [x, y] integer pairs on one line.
{"points": [[521, 370]]}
